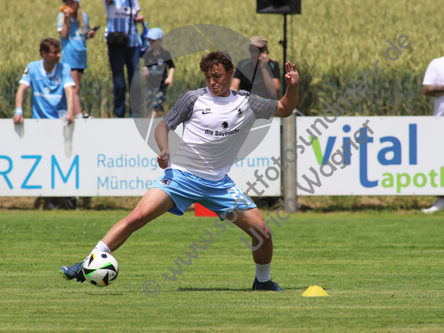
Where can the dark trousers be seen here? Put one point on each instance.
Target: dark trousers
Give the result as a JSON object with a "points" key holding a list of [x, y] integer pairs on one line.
{"points": [[118, 58]]}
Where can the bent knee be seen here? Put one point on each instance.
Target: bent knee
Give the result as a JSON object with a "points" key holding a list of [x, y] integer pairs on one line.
{"points": [[268, 233], [136, 220], [263, 232]]}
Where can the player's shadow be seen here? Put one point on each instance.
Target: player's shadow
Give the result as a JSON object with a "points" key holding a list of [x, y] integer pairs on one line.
{"points": [[106, 293], [213, 289], [302, 288]]}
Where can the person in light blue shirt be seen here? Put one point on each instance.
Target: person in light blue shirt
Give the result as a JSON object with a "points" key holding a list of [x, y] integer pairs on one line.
{"points": [[51, 84], [73, 26], [123, 46]]}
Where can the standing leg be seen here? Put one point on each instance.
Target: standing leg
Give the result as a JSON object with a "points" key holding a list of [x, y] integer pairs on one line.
{"points": [[252, 219], [132, 64], [252, 222], [439, 204], [158, 109], [117, 61], [76, 76]]}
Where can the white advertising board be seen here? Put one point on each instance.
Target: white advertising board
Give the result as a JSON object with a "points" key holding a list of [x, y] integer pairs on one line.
{"points": [[98, 157], [403, 156]]}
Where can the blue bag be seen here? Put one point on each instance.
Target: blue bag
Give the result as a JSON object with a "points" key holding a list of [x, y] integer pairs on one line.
{"points": [[143, 40]]}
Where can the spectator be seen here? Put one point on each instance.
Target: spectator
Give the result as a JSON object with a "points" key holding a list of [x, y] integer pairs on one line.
{"points": [[433, 86], [51, 84], [52, 92], [155, 72], [73, 26], [261, 82], [122, 38]]}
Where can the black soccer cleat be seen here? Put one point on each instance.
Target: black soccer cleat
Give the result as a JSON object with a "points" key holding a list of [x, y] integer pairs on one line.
{"points": [[73, 272], [268, 285]]}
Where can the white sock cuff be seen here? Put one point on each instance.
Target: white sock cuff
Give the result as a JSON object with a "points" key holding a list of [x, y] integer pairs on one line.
{"points": [[79, 116], [101, 247], [263, 272]]}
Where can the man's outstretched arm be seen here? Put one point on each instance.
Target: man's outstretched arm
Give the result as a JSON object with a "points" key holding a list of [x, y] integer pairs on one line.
{"points": [[161, 135], [69, 92], [18, 117], [432, 90], [289, 101]]}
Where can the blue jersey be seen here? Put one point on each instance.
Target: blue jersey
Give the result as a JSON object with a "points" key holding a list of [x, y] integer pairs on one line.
{"points": [[48, 94], [73, 47], [118, 12]]}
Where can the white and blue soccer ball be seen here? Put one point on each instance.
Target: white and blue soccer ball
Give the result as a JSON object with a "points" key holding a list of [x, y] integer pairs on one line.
{"points": [[100, 269]]}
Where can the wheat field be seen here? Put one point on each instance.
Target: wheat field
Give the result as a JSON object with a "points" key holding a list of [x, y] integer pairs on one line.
{"points": [[329, 42]]}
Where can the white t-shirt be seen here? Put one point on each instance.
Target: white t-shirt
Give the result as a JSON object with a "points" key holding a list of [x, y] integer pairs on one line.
{"points": [[214, 129], [434, 75]]}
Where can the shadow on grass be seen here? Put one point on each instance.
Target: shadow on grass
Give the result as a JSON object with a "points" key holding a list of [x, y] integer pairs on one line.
{"points": [[232, 289], [106, 293]]}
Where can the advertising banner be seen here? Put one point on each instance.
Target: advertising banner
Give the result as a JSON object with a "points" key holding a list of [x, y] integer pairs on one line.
{"points": [[99, 157], [370, 156]]}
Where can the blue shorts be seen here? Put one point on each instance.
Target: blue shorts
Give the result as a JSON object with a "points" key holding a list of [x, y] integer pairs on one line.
{"points": [[222, 196]]}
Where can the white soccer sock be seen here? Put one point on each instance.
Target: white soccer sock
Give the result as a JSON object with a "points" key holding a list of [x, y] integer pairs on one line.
{"points": [[263, 272], [79, 116], [101, 247]]}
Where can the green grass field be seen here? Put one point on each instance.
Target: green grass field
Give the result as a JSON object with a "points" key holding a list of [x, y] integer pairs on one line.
{"points": [[382, 270]]}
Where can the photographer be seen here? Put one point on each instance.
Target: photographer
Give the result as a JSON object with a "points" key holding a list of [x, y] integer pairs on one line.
{"points": [[264, 72]]}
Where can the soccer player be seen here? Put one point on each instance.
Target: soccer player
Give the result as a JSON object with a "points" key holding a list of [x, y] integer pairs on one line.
{"points": [[216, 122], [51, 83], [433, 86]]}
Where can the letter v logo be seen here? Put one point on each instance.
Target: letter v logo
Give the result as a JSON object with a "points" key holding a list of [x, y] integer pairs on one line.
{"points": [[323, 158]]}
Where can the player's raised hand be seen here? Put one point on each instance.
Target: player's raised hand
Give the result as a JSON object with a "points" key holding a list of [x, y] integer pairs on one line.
{"points": [[163, 158], [292, 75]]}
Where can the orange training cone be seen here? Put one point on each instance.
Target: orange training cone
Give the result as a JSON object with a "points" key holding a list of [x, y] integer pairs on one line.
{"points": [[200, 210]]}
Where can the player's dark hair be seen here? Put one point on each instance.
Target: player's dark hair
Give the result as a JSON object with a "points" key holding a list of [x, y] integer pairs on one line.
{"points": [[215, 58], [45, 45]]}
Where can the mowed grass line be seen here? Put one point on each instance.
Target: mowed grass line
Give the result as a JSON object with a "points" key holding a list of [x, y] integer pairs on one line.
{"points": [[383, 272]]}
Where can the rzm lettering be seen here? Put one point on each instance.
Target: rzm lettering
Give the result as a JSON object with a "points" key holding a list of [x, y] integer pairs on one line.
{"points": [[54, 165]]}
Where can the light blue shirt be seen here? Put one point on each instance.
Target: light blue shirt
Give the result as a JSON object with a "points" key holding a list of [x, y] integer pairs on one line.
{"points": [[118, 12], [74, 47], [48, 94]]}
